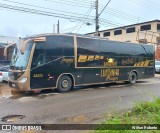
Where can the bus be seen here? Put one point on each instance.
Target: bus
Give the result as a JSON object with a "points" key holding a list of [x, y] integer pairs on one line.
{"points": [[62, 61]]}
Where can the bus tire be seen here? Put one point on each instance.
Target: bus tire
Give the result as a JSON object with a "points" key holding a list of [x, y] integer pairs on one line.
{"points": [[132, 78], [64, 84]]}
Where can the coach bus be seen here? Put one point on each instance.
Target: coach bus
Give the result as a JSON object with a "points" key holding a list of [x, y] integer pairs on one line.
{"points": [[62, 61]]}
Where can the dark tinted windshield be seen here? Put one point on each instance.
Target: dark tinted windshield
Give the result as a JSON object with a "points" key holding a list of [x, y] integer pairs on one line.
{"points": [[39, 57], [19, 60]]}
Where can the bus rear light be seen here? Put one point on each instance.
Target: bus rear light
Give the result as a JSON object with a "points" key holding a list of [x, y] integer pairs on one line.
{"points": [[0, 73]]}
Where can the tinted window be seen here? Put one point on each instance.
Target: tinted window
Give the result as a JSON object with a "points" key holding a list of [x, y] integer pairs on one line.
{"points": [[117, 32], [88, 52], [60, 46], [149, 50], [141, 50], [158, 26], [130, 30], [145, 27], [54, 45], [88, 46], [39, 57], [106, 34], [116, 48]]}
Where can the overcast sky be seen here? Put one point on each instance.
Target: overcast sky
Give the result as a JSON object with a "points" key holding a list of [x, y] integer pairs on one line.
{"points": [[118, 13]]}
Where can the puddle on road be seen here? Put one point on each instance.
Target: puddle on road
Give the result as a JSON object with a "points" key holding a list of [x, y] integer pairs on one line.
{"points": [[8, 93], [22, 96], [12, 118], [5, 93]]}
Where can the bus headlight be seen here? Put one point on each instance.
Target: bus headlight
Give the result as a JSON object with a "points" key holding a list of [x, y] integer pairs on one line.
{"points": [[23, 80]]}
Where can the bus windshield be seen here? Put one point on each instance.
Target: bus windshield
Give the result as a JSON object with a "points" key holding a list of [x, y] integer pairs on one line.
{"points": [[20, 61]]}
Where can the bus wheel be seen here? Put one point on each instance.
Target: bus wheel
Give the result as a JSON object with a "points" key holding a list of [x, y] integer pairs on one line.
{"points": [[132, 78], [64, 84]]}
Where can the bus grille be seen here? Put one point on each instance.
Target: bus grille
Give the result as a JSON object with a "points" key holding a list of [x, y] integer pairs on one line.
{"points": [[15, 75]]}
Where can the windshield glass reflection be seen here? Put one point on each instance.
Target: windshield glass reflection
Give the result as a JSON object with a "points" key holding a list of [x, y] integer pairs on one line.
{"points": [[20, 61]]}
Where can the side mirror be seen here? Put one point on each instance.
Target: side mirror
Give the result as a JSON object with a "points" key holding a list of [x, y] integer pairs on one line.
{"points": [[6, 48]]}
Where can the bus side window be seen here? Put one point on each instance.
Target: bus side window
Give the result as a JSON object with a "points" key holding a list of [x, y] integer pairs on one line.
{"points": [[54, 48], [88, 46], [39, 57]]}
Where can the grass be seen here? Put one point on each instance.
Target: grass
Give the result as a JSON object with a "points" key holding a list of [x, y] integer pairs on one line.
{"points": [[142, 113]]}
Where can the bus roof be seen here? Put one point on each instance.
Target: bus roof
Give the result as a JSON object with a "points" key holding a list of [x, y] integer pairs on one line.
{"points": [[80, 35]]}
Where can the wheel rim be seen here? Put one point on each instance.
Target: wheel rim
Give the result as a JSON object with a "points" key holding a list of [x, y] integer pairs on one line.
{"points": [[133, 78], [65, 83]]}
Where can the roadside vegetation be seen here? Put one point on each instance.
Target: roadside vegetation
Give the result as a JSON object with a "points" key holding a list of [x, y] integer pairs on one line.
{"points": [[143, 113]]}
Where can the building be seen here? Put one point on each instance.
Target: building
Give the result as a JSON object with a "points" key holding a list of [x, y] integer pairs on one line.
{"points": [[4, 41], [146, 32], [7, 40]]}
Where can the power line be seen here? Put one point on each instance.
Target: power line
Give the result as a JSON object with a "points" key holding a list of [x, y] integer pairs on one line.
{"points": [[149, 5], [84, 2], [77, 25], [122, 15], [98, 15], [104, 8], [64, 14], [40, 12], [110, 11], [85, 17], [70, 3], [25, 4]]}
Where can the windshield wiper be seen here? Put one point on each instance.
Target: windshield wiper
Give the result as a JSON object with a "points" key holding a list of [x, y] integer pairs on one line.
{"points": [[12, 67], [17, 68]]}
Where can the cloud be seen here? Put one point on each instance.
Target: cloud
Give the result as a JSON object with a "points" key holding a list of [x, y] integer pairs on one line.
{"points": [[25, 30]]}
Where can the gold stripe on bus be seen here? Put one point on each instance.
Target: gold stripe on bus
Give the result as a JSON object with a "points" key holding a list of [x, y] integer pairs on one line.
{"points": [[146, 63], [142, 63], [135, 64], [75, 51], [138, 64], [97, 57], [102, 57], [82, 58], [90, 58]]}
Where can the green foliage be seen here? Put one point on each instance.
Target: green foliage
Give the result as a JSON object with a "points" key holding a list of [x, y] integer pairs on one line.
{"points": [[142, 113]]}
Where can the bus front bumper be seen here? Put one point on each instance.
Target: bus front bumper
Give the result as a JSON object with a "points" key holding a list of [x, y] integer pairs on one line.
{"points": [[19, 86]]}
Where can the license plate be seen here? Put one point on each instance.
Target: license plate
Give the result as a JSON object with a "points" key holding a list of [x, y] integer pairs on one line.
{"points": [[13, 85]]}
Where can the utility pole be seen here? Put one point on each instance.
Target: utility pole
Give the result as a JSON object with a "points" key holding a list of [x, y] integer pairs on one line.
{"points": [[58, 27], [98, 15], [96, 19]]}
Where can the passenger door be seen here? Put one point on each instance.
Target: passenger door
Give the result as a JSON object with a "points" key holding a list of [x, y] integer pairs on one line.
{"points": [[38, 68]]}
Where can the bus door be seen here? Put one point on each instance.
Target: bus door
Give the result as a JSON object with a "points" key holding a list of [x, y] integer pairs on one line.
{"points": [[39, 68]]}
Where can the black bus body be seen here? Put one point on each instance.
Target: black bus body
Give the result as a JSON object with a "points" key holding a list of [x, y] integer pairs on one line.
{"points": [[62, 61]]}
